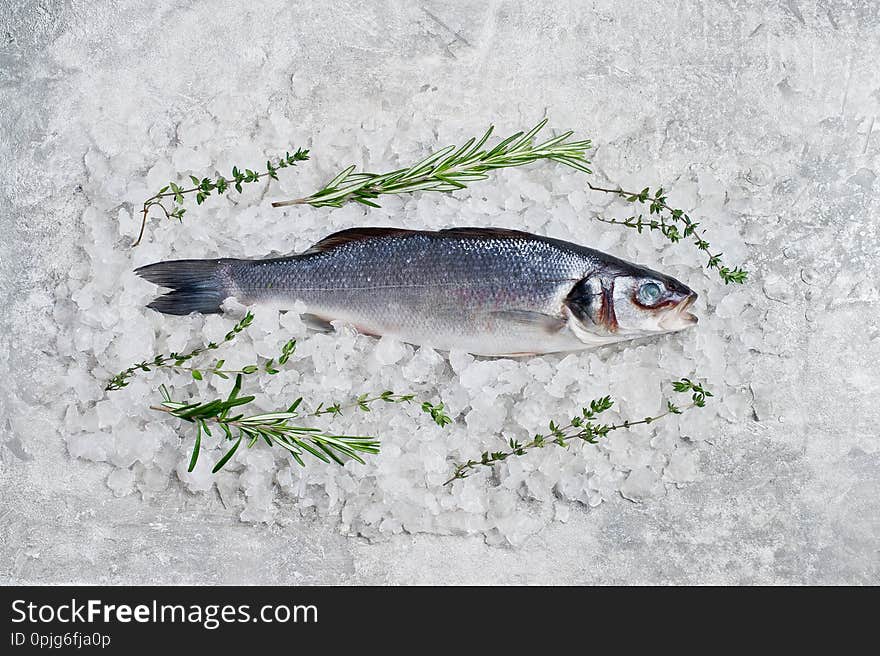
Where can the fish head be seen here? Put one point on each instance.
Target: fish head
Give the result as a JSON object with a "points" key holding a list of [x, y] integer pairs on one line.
{"points": [[624, 301]]}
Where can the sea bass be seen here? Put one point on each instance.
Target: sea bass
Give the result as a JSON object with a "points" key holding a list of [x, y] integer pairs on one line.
{"points": [[488, 291]]}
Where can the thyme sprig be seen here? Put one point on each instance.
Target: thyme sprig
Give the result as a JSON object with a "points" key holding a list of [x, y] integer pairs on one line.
{"points": [[176, 360], [274, 428], [448, 169], [584, 427], [364, 401], [268, 366], [206, 186], [667, 219], [438, 414]]}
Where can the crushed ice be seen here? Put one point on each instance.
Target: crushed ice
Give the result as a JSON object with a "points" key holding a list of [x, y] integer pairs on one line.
{"points": [[401, 490]]}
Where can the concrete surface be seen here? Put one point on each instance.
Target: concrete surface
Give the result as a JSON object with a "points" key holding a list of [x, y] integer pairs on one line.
{"points": [[787, 91]]}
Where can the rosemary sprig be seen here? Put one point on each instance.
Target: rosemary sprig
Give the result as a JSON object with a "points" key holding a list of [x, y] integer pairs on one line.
{"points": [[583, 427], [175, 360], [275, 428], [204, 187], [658, 211], [448, 169]]}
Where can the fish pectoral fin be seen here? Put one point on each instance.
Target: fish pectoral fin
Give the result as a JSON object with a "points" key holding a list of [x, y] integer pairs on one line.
{"points": [[546, 322], [315, 322]]}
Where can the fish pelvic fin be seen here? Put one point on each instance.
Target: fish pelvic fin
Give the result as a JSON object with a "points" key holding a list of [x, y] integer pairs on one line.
{"points": [[198, 286]]}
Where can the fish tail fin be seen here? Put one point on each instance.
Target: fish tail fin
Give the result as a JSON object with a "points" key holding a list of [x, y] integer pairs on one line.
{"points": [[196, 285]]}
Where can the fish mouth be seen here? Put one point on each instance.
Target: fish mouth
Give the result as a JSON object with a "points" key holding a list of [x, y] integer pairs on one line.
{"points": [[678, 318]]}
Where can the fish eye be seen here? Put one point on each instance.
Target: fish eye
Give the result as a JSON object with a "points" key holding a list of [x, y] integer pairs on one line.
{"points": [[649, 293]]}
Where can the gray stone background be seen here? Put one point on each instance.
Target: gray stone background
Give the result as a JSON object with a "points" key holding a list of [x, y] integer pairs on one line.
{"points": [[786, 92]]}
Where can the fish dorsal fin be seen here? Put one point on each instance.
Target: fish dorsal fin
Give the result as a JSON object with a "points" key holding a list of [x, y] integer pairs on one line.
{"points": [[359, 234], [353, 234], [494, 233]]}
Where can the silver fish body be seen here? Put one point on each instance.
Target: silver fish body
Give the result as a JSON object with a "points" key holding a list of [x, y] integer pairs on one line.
{"points": [[487, 291]]}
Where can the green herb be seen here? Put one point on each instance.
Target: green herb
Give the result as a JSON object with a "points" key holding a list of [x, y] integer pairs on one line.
{"points": [[175, 360], [217, 369], [206, 186], [583, 427], [436, 411], [364, 401], [698, 393], [448, 169], [274, 428], [666, 219]]}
